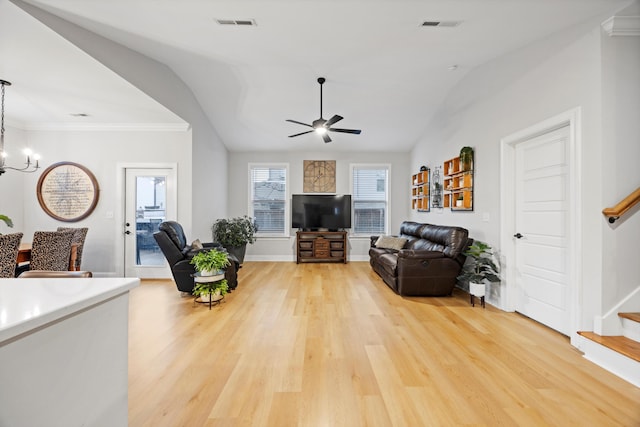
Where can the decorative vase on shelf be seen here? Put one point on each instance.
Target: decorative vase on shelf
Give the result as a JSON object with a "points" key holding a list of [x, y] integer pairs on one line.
{"points": [[466, 158]]}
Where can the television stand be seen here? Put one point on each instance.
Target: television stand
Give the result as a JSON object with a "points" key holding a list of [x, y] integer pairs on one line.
{"points": [[321, 246]]}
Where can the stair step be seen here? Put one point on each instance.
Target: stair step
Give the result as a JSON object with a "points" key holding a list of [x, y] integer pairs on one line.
{"points": [[631, 316], [622, 345]]}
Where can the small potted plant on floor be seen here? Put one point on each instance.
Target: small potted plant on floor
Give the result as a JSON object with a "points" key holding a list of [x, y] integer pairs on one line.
{"points": [[210, 263], [480, 270], [234, 234]]}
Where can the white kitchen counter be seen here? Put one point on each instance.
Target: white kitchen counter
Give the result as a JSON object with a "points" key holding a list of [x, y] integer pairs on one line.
{"points": [[63, 351]]}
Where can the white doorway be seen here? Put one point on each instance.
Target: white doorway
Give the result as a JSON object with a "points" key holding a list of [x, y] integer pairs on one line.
{"points": [[541, 227], [149, 199]]}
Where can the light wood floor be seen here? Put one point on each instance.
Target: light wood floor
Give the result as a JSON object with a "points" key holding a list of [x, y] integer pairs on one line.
{"points": [[331, 345]]}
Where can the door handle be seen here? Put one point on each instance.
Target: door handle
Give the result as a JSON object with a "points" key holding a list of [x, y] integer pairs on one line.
{"points": [[518, 236], [127, 232]]}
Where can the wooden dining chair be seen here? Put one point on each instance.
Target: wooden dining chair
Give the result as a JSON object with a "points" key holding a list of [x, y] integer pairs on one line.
{"points": [[9, 244], [79, 235], [51, 250]]}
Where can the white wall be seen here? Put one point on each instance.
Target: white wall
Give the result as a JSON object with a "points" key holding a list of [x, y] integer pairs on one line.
{"points": [[162, 84], [620, 155], [282, 249], [526, 87], [100, 152]]}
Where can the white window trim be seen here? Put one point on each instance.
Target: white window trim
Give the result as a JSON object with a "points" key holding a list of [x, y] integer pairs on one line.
{"points": [[287, 198], [386, 166]]}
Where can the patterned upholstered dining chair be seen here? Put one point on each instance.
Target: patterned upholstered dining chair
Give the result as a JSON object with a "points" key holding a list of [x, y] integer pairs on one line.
{"points": [[79, 235], [51, 250], [44, 274], [9, 244]]}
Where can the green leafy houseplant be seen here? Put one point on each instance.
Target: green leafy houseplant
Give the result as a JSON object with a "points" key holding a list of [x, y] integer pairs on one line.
{"points": [[210, 261], [235, 231], [6, 220], [466, 158], [210, 288], [482, 268]]}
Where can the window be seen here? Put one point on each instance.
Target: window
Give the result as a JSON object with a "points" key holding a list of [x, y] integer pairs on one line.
{"points": [[268, 198], [370, 185]]}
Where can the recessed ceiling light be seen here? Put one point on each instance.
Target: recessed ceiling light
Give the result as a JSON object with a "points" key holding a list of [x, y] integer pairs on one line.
{"points": [[240, 22], [79, 114], [440, 23], [453, 67]]}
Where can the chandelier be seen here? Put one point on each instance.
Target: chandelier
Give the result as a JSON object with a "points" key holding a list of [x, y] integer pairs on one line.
{"points": [[29, 166]]}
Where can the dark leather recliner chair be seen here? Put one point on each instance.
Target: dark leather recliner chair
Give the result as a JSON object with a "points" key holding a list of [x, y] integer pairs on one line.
{"points": [[173, 243]]}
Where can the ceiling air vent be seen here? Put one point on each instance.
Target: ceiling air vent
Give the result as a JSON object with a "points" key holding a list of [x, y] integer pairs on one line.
{"points": [[242, 22], [441, 23]]}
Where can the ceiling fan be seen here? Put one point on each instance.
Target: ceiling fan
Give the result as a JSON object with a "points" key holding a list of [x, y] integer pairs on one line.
{"points": [[321, 125]]}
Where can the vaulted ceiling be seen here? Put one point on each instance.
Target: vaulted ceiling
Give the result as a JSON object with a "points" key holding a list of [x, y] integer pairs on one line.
{"points": [[386, 73]]}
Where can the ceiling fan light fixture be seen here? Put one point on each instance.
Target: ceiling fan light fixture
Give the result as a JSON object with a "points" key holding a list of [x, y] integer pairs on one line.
{"points": [[321, 125]]}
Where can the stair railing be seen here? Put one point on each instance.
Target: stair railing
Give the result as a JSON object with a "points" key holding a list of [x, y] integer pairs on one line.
{"points": [[623, 206]]}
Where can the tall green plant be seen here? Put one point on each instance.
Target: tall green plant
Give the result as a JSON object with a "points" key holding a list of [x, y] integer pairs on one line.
{"points": [[235, 231], [6, 220], [482, 266]]}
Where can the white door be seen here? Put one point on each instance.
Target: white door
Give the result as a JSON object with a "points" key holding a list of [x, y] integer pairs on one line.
{"points": [[150, 198], [542, 229]]}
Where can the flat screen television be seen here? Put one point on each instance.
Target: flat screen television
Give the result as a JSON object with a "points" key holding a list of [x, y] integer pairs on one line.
{"points": [[320, 211]]}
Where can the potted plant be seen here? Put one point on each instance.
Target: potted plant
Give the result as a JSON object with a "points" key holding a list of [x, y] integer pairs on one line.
{"points": [[234, 234], [459, 200], [481, 269], [466, 158], [210, 291], [6, 220], [210, 262]]}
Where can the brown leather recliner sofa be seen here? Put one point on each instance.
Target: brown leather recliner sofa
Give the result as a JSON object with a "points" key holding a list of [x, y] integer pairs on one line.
{"points": [[426, 263]]}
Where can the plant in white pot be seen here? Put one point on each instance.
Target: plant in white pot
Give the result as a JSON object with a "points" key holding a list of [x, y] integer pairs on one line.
{"points": [[480, 270], [210, 263], [210, 291]]}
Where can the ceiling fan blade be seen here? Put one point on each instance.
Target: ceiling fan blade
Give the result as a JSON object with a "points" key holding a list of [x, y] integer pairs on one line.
{"points": [[300, 123], [301, 133], [332, 120], [355, 131], [326, 137]]}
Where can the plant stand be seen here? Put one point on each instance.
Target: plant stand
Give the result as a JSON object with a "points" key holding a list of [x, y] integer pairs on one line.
{"points": [[477, 290]]}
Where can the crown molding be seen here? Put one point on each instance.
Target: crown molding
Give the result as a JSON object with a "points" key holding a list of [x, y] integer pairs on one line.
{"points": [[109, 127], [622, 26]]}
